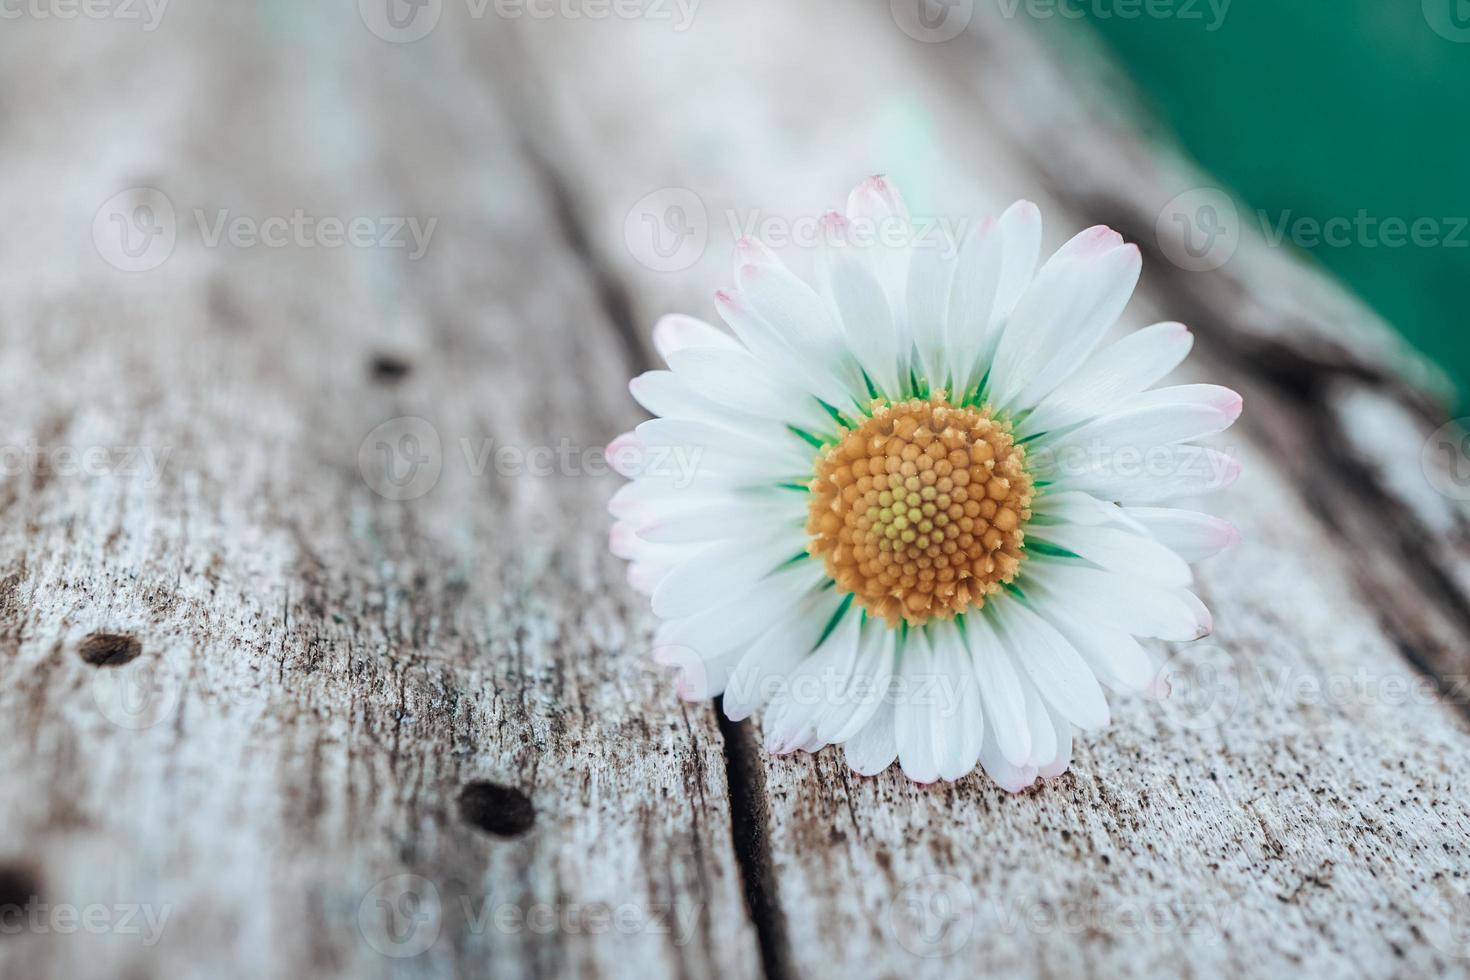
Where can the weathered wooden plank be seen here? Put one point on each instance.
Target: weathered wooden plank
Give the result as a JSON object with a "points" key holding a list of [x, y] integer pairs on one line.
{"points": [[1295, 805], [337, 734]]}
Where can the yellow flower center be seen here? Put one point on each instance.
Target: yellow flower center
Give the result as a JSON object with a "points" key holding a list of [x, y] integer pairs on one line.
{"points": [[919, 512]]}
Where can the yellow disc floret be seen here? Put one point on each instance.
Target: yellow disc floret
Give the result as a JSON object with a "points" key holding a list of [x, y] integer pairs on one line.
{"points": [[920, 511]]}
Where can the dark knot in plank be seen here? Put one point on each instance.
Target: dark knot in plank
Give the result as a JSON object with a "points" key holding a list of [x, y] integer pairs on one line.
{"points": [[500, 811], [110, 649]]}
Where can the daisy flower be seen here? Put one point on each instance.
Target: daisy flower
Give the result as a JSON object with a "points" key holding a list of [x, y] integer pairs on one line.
{"points": [[921, 509]]}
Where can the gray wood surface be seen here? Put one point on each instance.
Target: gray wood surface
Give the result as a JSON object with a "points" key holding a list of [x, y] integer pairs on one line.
{"points": [[272, 714]]}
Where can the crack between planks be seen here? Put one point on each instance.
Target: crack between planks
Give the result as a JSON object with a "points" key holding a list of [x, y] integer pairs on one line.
{"points": [[612, 297], [750, 835], [744, 775], [519, 101]]}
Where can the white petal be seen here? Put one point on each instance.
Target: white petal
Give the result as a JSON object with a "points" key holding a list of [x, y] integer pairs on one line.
{"points": [[867, 320], [1008, 776], [965, 729], [732, 517], [1117, 658], [1119, 370], [758, 337], [1129, 477], [866, 687], [1193, 535], [1020, 231], [972, 300], [643, 502], [793, 309], [1076, 297], [1000, 689], [1117, 601], [959, 727], [915, 704], [771, 450], [773, 655], [876, 199], [718, 571], [623, 541], [679, 332], [1075, 507], [645, 576], [1063, 756], [667, 396], [1060, 674], [1038, 722], [1158, 418], [808, 372], [799, 316], [625, 455], [1118, 551], [874, 748], [796, 710], [741, 382], [1217, 397], [700, 680], [931, 272], [876, 212], [743, 615]]}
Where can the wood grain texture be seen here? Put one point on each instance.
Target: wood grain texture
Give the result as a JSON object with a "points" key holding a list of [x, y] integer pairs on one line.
{"points": [[265, 720], [358, 736], [1296, 805]]}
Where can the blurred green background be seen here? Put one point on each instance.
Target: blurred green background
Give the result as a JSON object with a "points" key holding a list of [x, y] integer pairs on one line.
{"points": [[1324, 109]]}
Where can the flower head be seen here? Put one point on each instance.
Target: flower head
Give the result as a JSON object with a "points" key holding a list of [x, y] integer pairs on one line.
{"points": [[917, 511]]}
